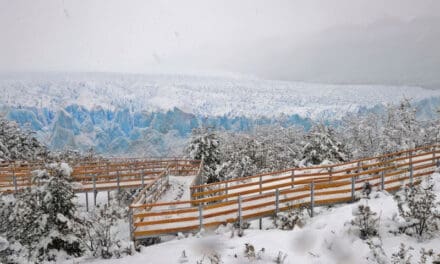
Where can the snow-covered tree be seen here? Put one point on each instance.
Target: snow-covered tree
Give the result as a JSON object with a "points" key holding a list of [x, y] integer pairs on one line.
{"points": [[204, 146], [43, 218], [322, 145], [362, 134], [16, 144], [366, 221], [266, 149], [401, 130]]}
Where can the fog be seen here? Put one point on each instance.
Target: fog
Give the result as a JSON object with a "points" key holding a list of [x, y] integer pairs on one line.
{"points": [[341, 41]]}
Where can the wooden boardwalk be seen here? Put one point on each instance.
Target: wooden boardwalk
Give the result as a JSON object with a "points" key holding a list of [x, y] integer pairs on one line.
{"points": [[233, 200], [100, 175], [267, 194]]}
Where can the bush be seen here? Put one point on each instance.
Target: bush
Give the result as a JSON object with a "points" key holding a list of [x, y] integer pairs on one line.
{"points": [[101, 235], [419, 209], [402, 256], [251, 254], [280, 258], [426, 255], [288, 220], [366, 221]]}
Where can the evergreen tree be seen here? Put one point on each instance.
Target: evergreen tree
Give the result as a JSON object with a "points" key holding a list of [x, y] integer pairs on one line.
{"points": [[322, 145], [204, 146], [16, 144], [43, 218]]}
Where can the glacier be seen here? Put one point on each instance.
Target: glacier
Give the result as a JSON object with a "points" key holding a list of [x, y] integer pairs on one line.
{"points": [[123, 132], [153, 115]]}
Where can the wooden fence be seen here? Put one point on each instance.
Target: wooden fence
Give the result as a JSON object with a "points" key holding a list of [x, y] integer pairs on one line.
{"points": [[99, 175], [267, 194]]}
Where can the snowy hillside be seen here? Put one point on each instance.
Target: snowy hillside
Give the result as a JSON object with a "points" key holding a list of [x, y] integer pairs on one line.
{"points": [[200, 95]]}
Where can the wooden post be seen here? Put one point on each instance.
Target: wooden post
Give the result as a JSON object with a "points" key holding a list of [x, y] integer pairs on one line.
{"points": [[118, 181], [352, 188], [240, 217], [293, 178], [87, 201], [95, 192], [382, 180], [261, 191], [433, 155], [330, 174], [108, 197], [200, 216], [226, 190], [131, 223], [411, 172], [312, 198], [261, 184], [277, 201], [143, 178], [14, 178]]}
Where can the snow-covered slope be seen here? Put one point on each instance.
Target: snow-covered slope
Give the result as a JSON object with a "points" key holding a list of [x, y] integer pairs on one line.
{"points": [[329, 237], [200, 95]]}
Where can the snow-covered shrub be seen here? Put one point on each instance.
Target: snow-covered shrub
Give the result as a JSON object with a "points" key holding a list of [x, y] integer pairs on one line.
{"points": [[212, 258], [429, 255], [280, 258], [366, 189], [365, 221], [16, 144], [183, 258], [249, 251], [6, 207], [204, 146], [123, 199], [418, 209], [43, 218], [251, 254], [402, 256], [323, 145], [288, 220], [377, 254], [100, 233]]}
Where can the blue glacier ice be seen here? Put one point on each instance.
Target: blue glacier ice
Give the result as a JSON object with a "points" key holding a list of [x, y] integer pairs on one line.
{"points": [[125, 131]]}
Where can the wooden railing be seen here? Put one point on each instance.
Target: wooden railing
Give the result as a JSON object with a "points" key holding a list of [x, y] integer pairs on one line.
{"points": [[267, 194], [99, 175]]}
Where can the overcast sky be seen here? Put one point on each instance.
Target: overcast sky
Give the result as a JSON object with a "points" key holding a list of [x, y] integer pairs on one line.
{"points": [[360, 41]]}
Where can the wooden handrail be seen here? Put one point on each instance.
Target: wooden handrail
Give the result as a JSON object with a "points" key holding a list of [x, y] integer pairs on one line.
{"points": [[260, 202]]}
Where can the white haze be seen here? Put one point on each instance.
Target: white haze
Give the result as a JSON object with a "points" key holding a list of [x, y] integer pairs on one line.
{"points": [[341, 41]]}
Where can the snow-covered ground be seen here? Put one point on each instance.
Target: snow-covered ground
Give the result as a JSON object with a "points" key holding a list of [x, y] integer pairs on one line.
{"points": [[327, 238]]}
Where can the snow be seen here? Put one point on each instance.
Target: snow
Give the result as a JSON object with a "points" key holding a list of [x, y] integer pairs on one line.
{"points": [[326, 238], [204, 95], [178, 189]]}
